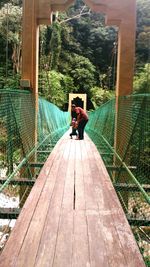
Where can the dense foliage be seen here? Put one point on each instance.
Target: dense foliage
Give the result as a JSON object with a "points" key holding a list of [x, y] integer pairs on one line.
{"points": [[77, 53]]}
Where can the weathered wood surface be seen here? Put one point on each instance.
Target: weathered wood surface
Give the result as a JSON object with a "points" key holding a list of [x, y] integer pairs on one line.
{"points": [[72, 217]]}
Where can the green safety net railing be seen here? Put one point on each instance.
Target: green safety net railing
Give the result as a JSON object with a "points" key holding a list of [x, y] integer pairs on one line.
{"points": [[21, 158], [123, 140], [52, 124], [20, 155]]}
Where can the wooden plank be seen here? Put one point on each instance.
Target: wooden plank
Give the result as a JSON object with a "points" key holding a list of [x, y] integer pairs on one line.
{"points": [[79, 181], [98, 249], [107, 207], [104, 216], [115, 253], [64, 246], [91, 203], [23, 221], [81, 251], [63, 251], [27, 255], [46, 250], [128, 244], [97, 246], [111, 236], [68, 197]]}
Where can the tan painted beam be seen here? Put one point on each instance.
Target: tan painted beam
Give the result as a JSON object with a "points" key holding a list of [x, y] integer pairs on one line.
{"points": [[30, 44], [122, 14], [30, 50], [118, 13], [98, 7], [61, 5], [44, 12], [125, 11]]}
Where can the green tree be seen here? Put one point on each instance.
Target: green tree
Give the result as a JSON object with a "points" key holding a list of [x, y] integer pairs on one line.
{"points": [[143, 31], [95, 41], [142, 80], [99, 96], [56, 87], [10, 32], [83, 73]]}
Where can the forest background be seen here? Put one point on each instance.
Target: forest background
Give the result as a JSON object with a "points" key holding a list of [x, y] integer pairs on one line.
{"points": [[78, 53]]}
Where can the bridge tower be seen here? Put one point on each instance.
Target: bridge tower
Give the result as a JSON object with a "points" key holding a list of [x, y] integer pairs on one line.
{"points": [[118, 13]]}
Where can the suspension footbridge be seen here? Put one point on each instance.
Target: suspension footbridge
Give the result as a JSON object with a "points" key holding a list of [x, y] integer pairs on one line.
{"points": [[79, 209], [72, 216], [81, 203]]}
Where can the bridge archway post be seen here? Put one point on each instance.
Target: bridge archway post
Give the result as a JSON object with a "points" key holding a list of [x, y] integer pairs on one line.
{"points": [[123, 15], [30, 50], [125, 74], [124, 82], [118, 13], [29, 75]]}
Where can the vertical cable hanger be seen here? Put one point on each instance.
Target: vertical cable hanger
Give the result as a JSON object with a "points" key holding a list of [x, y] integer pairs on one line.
{"points": [[7, 26]]}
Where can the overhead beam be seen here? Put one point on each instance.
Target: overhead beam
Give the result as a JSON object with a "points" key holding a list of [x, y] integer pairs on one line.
{"points": [[44, 12]]}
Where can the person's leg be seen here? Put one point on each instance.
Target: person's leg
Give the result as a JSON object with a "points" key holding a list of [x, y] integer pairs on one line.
{"points": [[75, 133], [81, 129], [72, 133]]}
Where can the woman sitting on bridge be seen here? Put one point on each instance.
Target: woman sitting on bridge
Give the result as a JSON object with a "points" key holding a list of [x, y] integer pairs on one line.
{"points": [[82, 119]]}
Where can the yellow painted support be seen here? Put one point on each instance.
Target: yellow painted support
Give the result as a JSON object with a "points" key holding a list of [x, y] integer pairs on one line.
{"points": [[118, 12]]}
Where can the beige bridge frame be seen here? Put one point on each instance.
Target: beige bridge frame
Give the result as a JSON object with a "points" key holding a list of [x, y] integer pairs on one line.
{"points": [[121, 13], [83, 97]]}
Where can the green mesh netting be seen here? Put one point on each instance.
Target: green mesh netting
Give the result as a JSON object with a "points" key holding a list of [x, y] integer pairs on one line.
{"points": [[17, 142], [16, 123], [123, 140], [52, 124], [51, 120]]}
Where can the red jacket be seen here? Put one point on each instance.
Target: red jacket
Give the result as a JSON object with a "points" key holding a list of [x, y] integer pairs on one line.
{"points": [[81, 114]]}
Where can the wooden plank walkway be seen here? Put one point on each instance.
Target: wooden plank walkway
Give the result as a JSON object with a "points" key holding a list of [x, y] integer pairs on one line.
{"points": [[72, 217]]}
